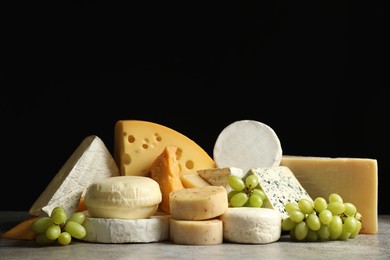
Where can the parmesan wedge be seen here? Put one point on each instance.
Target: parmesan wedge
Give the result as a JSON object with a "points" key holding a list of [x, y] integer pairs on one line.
{"points": [[247, 144]]}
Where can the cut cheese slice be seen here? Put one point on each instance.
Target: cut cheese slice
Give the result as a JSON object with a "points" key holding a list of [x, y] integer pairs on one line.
{"points": [[354, 179], [203, 232], [280, 186], [192, 180], [251, 225], [138, 143], [108, 230], [124, 197], [219, 176], [91, 161], [247, 144], [198, 203]]}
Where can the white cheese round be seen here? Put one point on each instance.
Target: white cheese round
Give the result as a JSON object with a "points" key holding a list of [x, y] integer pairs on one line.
{"points": [[103, 230], [123, 197], [247, 144], [251, 225]]}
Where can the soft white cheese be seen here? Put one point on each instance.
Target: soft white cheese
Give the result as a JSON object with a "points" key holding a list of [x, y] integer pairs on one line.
{"points": [[247, 144], [104, 230], [90, 162], [251, 225]]}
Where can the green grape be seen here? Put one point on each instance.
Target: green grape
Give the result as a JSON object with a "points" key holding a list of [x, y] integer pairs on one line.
{"points": [[357, 229], [251, 182], [323, 232], [64, 239], [313, 222], [232, 193], [58, 216], [334, 197], [78, 217], [312, 235], [239, 199], [53, 232], [42, 239], [305, 205], [75, 229], [290, 206], [287, 224], [350, 224], [335, 227], [344, 235], [301, 230], [255, 201], [297, 216], [358, 216], [261, 193], [336, 207], [236, 183], [320, 204], [40, 225], [350, 209], [58, 208], [325, 216]]}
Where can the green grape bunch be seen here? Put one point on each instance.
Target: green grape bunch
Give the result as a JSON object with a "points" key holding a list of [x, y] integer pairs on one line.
{"points": [[58, 227], [322, 220], [245, 192]]}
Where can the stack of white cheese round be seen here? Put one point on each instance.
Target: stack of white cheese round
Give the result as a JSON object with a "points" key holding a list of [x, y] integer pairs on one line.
{"points": [[123, 209]]}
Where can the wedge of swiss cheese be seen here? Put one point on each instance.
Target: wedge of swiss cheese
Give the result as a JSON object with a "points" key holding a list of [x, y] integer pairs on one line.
{"points": [[355, 179], [138, 143]]}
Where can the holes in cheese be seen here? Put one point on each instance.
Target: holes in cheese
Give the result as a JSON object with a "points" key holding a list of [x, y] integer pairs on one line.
{"points": [[123, 197], [198, 203], [201, 232], [138, 143], [247, 144]]}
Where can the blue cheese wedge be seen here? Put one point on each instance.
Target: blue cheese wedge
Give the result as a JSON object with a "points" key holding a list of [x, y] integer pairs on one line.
{"points": [[280, 185], [91, 161]]}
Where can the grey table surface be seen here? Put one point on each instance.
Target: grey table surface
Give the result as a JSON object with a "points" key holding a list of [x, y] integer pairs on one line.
{"points": [[364, 246]]}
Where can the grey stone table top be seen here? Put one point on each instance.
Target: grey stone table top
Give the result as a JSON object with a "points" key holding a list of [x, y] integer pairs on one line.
{"points": [[362, 247]]}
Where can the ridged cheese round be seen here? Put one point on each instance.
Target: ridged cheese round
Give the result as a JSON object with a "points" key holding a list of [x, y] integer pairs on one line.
{"points": [[198, 203], [251, 225], [123, 197], [247, 144], [196, 232], [104, 230]]}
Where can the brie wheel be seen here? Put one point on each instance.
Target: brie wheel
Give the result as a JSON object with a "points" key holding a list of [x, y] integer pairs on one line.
{"points": [[123, 197]]}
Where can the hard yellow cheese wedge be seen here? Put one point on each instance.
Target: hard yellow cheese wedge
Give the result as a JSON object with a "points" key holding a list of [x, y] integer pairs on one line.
{"points": [[355, 179], [138, 143]]}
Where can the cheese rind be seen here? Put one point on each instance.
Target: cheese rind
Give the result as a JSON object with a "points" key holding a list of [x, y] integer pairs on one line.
{"points": [[219, 176], [91, 161], [138, 143], [251, 225], [104, 230], [354, 179], [202, 232], [124, 197], [247, 144], [280, 186], [198, 203]]}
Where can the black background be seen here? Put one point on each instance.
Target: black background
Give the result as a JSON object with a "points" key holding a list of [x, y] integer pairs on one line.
{"points": [[314, 72]]}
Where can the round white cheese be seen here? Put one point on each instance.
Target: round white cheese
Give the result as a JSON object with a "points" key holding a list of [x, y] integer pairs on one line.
{"points": [[103, 230], [196, 232], [123, 197], [247, 144], [251, 225]]}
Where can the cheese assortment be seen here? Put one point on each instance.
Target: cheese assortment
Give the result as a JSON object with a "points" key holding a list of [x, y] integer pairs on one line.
{"points": [[138, 143], [91, 161], [355, 179], [160, 186]]}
